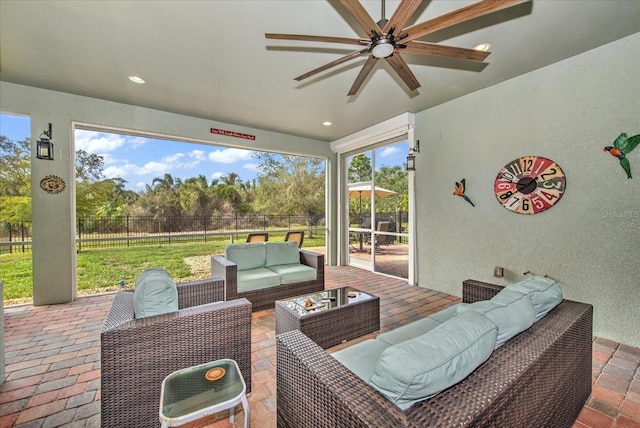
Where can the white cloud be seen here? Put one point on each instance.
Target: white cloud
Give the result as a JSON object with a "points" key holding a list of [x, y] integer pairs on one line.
{"points": [[173, 158], [216, 175], [251, 166], [198, 154], [98, 143], [228, 156], [389, 151], [102, 142]]}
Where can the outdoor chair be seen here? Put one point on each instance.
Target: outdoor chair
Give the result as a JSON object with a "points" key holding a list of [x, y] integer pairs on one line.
{"points": [[295, 236], [138, 353], [258, 237], [383, 226]]}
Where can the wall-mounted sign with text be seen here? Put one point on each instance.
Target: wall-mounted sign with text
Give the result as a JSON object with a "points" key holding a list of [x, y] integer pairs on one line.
{"points": [[233, 134]]}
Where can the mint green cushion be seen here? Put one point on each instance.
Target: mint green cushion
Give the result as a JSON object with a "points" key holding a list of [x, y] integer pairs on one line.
{"points": [[246, 256], [155, 293], [256, 279], [512, 317], [422, 367], [282, 253], [409, 331], [445, 314], [419, 327], [362, 357], [545, 293], [294, 273]]}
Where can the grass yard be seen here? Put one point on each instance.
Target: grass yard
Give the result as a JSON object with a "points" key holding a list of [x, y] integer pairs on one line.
{"points": [[101, 270]]}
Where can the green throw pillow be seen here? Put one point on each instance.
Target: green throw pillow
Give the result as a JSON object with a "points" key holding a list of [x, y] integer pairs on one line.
{"points": [[422, 367], [545, 293], [155, 293]]}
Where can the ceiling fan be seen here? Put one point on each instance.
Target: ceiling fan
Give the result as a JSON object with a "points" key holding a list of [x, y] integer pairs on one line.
{"points": [[384, 43]]}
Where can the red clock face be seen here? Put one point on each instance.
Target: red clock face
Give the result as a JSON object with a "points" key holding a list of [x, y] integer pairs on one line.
{"points": [[529, 185]]}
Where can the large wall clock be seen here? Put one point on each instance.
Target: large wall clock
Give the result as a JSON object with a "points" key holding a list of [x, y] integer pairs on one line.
{"points": [[529, 185]]}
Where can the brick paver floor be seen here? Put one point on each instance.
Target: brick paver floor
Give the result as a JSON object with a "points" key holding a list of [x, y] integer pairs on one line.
{"points": [[53, 360]]}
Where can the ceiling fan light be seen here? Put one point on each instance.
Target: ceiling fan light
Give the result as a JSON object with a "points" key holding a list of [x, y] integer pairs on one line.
{"points": [[483, 47], [382, 50]]}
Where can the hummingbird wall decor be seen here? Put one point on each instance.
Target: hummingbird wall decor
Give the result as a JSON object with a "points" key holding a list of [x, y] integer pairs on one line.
{"points": [[622, 146], [459, 191]]}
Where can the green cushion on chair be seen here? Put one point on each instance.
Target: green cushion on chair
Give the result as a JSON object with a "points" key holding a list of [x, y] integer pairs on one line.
{"points": [[422, 367], [545, 293], [282, 253], [246, 256], [512, 316], [294, 273], [155, 293]]}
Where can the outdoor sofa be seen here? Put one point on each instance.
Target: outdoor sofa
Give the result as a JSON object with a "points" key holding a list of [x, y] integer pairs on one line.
{"points": [[138, 353], [541, 377], [265, 272]]}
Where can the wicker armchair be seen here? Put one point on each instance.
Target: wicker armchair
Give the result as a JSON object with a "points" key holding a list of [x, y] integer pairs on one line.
{"points": [[137, 354]]}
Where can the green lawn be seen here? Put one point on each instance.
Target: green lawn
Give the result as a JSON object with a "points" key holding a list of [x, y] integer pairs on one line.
{"points": [[102, 269]]}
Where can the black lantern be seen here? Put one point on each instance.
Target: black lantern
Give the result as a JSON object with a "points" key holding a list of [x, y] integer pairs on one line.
{"points": [[411, 162], [411, 157], [44, 146]]}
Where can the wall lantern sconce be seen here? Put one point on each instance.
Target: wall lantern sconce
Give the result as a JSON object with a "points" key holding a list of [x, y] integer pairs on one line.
{"points": [[44, 146], [411, 158]]}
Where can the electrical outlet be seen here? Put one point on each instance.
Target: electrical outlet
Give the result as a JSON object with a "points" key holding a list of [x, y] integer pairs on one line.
{"points": [[498, 272]]}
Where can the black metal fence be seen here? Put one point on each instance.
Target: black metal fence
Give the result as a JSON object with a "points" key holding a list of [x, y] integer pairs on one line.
{"points": [[93, 232]]}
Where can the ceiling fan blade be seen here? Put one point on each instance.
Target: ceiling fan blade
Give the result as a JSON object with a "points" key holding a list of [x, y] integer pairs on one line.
{"points": [[401, 67], [331, 64], [458, 16], [425, 48], [362, 16], [364, 72], [401, 16], [327, 39]]}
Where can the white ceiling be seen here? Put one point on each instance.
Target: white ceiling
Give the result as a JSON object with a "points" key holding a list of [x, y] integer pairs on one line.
{"points": [[210, 59]]}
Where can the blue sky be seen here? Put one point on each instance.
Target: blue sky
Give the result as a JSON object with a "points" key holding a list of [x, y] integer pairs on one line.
{"points": [[139, 160]]}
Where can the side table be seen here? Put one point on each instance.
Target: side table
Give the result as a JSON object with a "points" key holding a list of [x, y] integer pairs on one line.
{"points": [[188, 394]]}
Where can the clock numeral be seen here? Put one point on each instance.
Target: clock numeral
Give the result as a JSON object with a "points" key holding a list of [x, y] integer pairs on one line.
{"points": [[525, 205], [527, 164], [507, 175], [504, 186], [506, 195], [538, 203], [515, 167], [551, 184], [550, 171], [515, 201], [550, 196]]}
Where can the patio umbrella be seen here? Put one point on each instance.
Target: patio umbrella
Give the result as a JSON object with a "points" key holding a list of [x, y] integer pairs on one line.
{"points": [[363, 189]]}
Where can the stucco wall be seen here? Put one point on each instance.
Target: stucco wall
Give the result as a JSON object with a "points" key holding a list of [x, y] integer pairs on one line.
{"points": [[590, 240], [54, 262]]}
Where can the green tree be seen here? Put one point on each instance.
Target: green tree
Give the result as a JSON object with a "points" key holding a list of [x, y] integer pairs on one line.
{"points": [[393, 178], [15, 167], [89, 166], [15, 180], [290, 185], [359, 169]]}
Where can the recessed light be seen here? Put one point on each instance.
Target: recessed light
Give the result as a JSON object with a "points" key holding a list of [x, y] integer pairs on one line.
{"points": [[484, 47], [137, 79], [327, 123]]}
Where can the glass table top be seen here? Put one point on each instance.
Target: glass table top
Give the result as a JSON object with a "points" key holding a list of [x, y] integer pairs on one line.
{"points": [[186, 391], [325, 300]]}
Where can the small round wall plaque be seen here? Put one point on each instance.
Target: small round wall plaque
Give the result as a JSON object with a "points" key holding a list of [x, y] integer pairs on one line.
{"points": [[52, 184]]}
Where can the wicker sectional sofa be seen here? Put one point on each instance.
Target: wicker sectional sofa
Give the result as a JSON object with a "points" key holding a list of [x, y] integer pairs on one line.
{"points": [[541, 377], [266, 288]]}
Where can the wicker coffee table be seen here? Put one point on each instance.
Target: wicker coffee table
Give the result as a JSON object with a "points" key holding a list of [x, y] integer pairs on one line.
{"points": [[329, 317]]}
